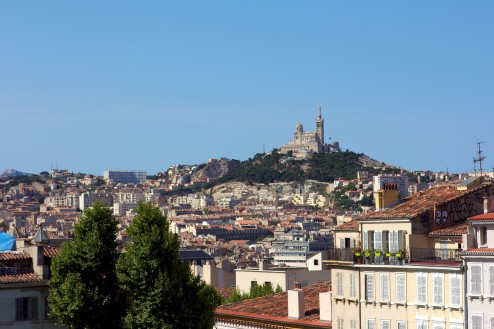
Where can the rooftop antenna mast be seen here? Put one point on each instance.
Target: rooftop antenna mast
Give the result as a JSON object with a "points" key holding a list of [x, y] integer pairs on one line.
{"points": [[479, 158]]}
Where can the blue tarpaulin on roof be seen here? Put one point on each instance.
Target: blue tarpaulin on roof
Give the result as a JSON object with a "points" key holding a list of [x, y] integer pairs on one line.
{"points": [[6, 242]]}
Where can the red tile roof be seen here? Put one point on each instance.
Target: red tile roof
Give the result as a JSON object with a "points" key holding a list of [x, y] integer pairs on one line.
{"points": [[479, 251], [455, 230], [20, 278], [421, 202], [348, 226], [274, 308], [488, 216], [13, 255], [50, 252]]}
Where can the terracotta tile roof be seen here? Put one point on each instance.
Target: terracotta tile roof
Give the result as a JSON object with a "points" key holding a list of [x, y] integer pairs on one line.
{"points": [[455, 230], [20, 278], [421, 202], [348, 226], [13, 255], [275, 307], [50, 252], [488, 216], [479, 251]]}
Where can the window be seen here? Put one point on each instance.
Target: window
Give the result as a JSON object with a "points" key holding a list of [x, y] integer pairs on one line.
{"points": [[421, 288], [353, 324], [339, 284], [253, 284], [438, 325], [422, 324], [400, 287], [438, 288], [476, 321], [340, 323], [401, 325], [371, 324], [455, 290], [316, 262], [378, 240], [483, 235], [369, 287], [476, 280], [352, 285], [491, 322], [491, 280], [396, 240], [26, 308], [368, 239], [385, 288], [385, 324]]}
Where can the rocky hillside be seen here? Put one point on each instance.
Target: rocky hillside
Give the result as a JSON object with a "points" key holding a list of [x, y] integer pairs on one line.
{"points": [[214, 169]]}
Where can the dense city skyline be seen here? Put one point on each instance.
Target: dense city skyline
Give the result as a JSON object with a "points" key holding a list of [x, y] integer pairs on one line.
{"points": [[94, 86]]}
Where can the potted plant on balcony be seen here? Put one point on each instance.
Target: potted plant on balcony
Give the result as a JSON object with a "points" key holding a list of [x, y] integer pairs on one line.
{"points": [[367, 255], [357, 253], [401, 255], [387, 255]]}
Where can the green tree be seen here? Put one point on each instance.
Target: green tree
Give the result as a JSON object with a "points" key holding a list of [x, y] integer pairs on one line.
{"points": [[163, 291], [83, 284]]}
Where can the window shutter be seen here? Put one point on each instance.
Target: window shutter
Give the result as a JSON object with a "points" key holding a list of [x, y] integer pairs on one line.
{"points": [[385, 324], [352, 243], [378, 240], [33, 308], [455, 284], [352, 284], [438, 289], [476, 280], [476, 322], [491, 283], [384, 287], [369, 287], [492, 322], [342, 243], [400, 287], [353, 324], [401, 240], [421, 287], [366, 240], [339, 283], [371, 324], [401, 325]]}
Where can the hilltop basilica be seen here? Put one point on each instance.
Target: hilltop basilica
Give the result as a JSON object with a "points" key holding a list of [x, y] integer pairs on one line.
{"points": [[305, 142]]}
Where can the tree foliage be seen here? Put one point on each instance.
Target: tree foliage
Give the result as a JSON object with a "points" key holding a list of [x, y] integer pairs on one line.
{"points": [[163, 291], [254, 292], [83, 283]]}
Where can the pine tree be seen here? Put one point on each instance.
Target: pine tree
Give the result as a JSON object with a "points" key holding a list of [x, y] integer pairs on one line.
{"points": [[83, 284], [163, 291]]}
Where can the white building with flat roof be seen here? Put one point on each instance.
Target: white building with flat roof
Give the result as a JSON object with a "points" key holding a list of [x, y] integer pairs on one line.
{"points": [[126, 176]]}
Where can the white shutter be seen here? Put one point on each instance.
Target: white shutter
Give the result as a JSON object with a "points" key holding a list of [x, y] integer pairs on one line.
{"points": [[340, 323], [400, 287], [384, 287], [492, 322], [385, 324], [476, 280], [352, 285], [366, 240], [353, 324], [491, 282], [422, 288], [401, 325], [377, 240], [455, 295], [438, 289], [371, 324], [342, 243], [369, 287], [352, 243], [476, 321], [339, 284]]}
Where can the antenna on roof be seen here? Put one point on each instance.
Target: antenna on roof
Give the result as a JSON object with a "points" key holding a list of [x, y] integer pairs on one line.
{"points": [[479, 158]]}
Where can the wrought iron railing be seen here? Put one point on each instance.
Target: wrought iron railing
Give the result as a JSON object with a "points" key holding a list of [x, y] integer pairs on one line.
{"points": [[430, 255]]}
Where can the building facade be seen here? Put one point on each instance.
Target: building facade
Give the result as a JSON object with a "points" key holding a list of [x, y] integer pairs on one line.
{"points": [[126, 176]]}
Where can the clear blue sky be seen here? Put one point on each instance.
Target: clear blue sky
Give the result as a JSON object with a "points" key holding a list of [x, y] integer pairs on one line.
{"points": [[146, 84]]}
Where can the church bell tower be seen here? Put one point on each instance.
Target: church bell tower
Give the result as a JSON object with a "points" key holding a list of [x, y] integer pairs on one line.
{"points": [[320, 126]]}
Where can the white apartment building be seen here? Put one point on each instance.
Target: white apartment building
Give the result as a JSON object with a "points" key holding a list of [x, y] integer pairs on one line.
{"points": [[126, 176], [401, 181]]}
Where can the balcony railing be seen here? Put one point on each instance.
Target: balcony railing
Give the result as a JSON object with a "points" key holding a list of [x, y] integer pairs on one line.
{"points": [[423, 255], [435, 255]]}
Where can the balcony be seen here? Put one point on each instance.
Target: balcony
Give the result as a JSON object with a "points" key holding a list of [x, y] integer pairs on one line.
{"points": [[418, 255]]}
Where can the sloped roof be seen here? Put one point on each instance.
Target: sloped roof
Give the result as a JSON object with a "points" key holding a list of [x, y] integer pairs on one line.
{"points": [[20, 278], [274, 308], [13, 255], [348, 226], [488, 217], [455, 230], [421, 202]]}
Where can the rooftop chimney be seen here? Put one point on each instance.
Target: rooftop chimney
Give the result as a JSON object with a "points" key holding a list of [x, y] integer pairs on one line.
{"points": [[325, 306], [296, 303], [486, 205]]}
